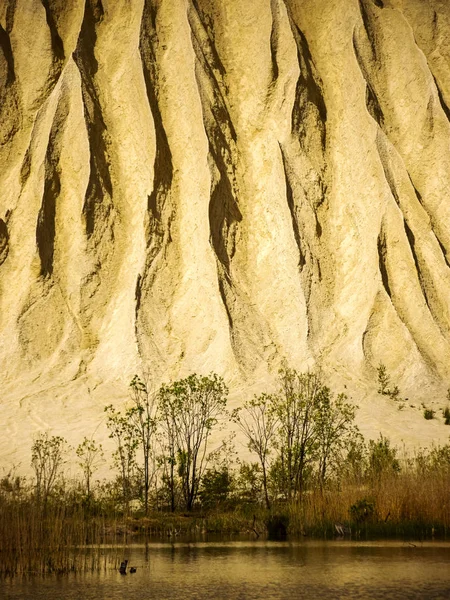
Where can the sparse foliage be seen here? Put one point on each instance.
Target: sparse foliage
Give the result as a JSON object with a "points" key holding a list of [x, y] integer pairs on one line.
{"points": [[296, 407], [258, 421], [90, 455], [382, 458], [142, 417], [124, 456], [299, 433], [335, 431], [191, 409], [384, 381], [47, 457]]}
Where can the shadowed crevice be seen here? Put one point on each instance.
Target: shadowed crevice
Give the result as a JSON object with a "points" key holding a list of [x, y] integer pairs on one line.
{"points": [[5, 47], [309, 98], [25, 169], [370, 33], [319, 230], [444, 105], [224, 212], [245, 332], [292, 211], [373, 106], [158, 229], [46, 223], [138, 294], [209, 59], [223, 297], [412, 244], [45, 230], [97, 203], [57, 43], [10, 118], [382, 251], [444, 252], [441, 245], [274, 40], [4, 241], [212, 58]]}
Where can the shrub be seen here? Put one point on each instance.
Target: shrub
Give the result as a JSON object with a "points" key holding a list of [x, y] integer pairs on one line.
{"points": [[216, 487], [446, 415], [384, 381], [363, 510], [277, 526], [428, 414], [382, 458]]}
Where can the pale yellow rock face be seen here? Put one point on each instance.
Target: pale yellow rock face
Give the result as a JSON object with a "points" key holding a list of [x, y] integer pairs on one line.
{"points": [[217, 185]]}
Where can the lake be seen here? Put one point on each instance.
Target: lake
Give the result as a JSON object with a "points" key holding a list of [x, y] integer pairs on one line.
{"points": [[256, 569]]}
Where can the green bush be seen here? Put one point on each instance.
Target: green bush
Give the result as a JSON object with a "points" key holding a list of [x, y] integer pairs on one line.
{"points": [[362, 511], [216, 487], [428, 414], [384, 381], [382, 458]]}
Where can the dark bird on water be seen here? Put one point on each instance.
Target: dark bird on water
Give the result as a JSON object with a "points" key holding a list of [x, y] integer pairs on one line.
{"points": [[123, 567]]}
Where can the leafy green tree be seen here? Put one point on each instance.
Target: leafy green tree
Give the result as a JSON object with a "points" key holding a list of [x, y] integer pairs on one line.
{"points": [[124, 435], [192, 407], [296, 407], [47, 457], [259, 421], [249, 486], [355, 464], [382, 458], [435, 461], [168, 418], [216, 487], [134, 432], [335, 430]]}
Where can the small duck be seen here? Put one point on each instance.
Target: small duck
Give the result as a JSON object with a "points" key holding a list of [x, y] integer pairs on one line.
{"points": [[123, 567], [132, 569]]}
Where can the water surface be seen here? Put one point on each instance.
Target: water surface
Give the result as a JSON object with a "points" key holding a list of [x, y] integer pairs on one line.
{"points": [[251, 570]]}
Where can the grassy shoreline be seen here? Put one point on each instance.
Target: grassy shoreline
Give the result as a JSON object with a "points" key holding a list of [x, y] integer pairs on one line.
{"points": [[54, 538]]}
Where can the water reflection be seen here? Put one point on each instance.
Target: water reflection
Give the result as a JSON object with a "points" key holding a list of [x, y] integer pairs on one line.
{"points": [[250, 570]]}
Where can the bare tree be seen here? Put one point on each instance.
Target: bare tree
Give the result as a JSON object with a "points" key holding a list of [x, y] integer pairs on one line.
{"points": [[90, 458], [258, 421]]}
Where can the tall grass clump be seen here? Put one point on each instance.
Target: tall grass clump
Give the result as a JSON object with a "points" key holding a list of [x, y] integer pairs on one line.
{"points": [[59, 536]]}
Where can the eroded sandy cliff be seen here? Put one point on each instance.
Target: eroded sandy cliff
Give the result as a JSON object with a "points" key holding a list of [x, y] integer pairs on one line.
{"points": [[197, 185]]}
